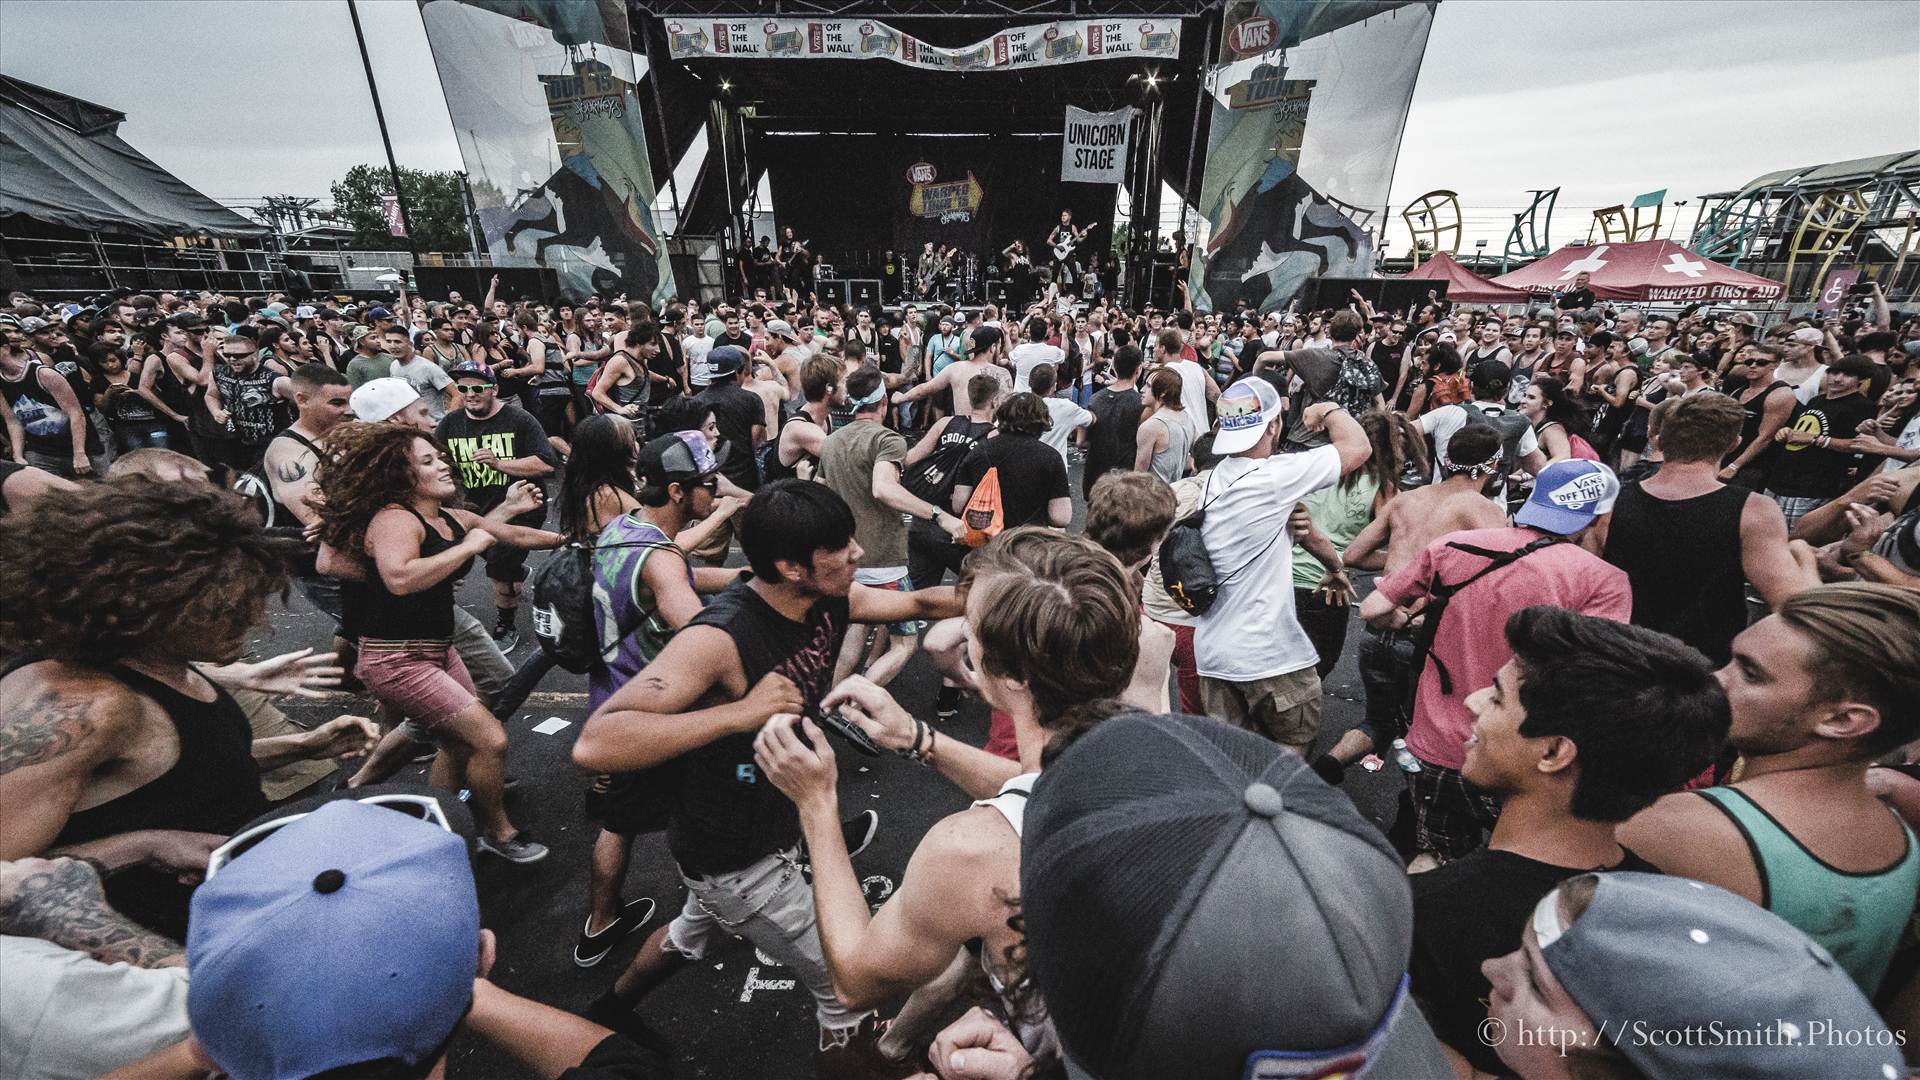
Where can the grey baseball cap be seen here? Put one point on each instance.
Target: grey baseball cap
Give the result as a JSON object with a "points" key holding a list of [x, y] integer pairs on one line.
{"points": [[1674, 955], [1199, 904]]}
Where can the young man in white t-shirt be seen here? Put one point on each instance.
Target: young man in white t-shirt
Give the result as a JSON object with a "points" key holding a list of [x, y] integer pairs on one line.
{"points": [[1256, 664], [1489, 380], [1031, 353], [1067, 417], [1197, 388]]}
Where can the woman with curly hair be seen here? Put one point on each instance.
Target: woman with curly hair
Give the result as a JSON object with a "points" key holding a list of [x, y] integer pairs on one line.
{"points": [[116, 741], [390, 529]]}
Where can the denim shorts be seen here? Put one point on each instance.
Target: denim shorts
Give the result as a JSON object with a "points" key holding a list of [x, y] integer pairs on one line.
{"points": [[425, 681]]}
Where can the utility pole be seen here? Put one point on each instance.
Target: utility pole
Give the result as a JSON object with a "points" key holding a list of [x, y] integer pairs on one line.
{"points": [[380, 116]]}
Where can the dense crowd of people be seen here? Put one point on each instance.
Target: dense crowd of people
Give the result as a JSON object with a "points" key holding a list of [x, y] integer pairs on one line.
{"points": [[1642, 653]]}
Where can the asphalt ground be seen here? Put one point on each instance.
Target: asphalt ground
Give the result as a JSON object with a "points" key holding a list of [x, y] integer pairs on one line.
{"points": [[734, 1014]]}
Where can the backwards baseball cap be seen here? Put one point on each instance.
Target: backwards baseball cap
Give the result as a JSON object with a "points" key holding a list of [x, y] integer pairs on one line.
{"points": [[1245, 410], [377, 313], [724, 360], [781, 329], [1807, 335], [679, 457], [1673, 954], [1568, 495], [1148, 851], [349, 935], [378, 399], [470, 370]]}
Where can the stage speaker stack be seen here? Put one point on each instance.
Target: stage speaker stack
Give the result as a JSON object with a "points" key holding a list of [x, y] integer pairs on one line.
{"points": [[998, 293], [863, 292], [833, 291]]}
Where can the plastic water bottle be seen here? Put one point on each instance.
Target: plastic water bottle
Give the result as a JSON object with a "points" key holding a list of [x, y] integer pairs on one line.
{"points": [[1404, 757]]}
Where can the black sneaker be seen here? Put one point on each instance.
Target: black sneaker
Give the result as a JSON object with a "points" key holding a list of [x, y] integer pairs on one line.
{"points": [[947, 705], [859, 830], [506, 638], [593, 948]]}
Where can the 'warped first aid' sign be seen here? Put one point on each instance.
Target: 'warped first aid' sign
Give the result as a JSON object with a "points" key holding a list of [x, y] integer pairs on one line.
{"points": [[1094, 150], [1068, 41]]}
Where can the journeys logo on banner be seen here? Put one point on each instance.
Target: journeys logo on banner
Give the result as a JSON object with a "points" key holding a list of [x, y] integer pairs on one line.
{"points": [[955, 200]]}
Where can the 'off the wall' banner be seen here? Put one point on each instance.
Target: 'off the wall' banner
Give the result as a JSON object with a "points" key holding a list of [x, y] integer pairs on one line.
{"points": [[1069, 41], [1094, 150], [1309, 102]]}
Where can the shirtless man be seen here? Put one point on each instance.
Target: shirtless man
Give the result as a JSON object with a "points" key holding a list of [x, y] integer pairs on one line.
{"points": [[985, 353], [783, 346], [1412, 520]]}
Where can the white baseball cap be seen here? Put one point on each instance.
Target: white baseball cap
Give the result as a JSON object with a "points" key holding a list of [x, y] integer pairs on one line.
{"points": [[1245, 410], [379, 399]]}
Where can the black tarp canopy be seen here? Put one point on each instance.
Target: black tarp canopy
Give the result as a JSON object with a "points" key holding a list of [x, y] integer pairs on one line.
{"points": [[62, 162]]}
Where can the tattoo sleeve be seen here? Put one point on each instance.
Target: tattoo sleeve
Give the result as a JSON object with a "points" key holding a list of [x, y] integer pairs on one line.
{"points": [[42, 729], [65, 905]]}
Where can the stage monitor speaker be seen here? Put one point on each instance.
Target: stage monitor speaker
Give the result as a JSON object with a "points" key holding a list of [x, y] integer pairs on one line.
{"points": [[1387, 295], [516, 282], [998, 293], [864, 292], [832, 292]]}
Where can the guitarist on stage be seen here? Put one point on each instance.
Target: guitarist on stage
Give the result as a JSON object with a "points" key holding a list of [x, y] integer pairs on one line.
{"points": [[1063, 240]]}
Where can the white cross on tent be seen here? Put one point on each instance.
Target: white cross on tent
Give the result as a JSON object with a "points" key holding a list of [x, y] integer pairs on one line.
{"points": [[1588, 264], [1678, 263]]}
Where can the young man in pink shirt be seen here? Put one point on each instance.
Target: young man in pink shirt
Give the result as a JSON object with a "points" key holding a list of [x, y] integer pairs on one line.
{"points": [[1471, 582]]}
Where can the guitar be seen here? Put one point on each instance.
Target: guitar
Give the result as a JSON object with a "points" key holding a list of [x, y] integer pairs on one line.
{"points": [[796, 255], [1070, 238]]}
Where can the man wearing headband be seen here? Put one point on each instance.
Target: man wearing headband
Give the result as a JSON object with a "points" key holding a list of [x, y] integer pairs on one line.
{"points": [[1391, 541], [861, 462]]}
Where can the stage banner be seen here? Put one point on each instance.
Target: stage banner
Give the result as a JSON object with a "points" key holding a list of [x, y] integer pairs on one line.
{"points": [[1094, 149], [1067, 41], [542, 101], [1310, 99]]}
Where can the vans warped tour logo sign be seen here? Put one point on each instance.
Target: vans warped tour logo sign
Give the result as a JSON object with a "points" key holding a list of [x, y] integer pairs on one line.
{"points": [[953, 201], [1066, 41]]}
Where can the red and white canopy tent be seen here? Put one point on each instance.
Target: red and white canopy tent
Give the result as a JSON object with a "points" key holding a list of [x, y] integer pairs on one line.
{"points": [[1658, 271], [1463, 285]]}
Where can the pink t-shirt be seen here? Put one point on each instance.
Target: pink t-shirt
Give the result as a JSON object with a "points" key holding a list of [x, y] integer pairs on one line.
{"points": [[1472, 641]]}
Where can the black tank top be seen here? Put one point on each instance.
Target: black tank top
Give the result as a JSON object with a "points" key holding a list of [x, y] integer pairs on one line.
{"points": [[1755, 409], [1682, 558], [726, 816], [281, 512], [212, 787], [373, 611], [771, 469]]}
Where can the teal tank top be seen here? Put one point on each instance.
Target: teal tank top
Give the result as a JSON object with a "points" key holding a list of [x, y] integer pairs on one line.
{"points": [[1858, 917]]}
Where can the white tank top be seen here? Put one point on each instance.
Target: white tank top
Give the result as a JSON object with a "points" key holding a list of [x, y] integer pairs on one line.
{"points": [[1012, 800]]}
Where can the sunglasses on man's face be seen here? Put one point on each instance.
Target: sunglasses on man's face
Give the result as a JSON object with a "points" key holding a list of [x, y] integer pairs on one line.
{"points": [[474, 388]]}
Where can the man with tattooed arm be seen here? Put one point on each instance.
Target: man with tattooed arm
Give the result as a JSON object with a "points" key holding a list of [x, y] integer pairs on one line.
{"points": [[112, 735]]}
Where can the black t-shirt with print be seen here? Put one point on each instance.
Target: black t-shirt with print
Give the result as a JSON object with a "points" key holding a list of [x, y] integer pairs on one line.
{"points": [[1812, 471], [510, 433], [726, 816], [1031, 475], [1468, 911]]}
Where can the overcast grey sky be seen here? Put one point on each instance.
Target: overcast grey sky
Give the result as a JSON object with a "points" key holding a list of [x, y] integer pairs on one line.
{"points": [[244, 98]]}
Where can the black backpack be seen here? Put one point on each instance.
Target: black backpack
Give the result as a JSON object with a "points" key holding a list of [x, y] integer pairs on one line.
{"points": [[1186, 566], [931, 478], [1440, 593], [563, 617]]}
